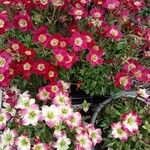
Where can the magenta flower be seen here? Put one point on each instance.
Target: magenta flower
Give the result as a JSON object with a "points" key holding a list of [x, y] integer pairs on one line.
{"points": [[4, 24], [78, 41], [113, 32], [111, 4], [122, 80], [5, 60], [95, 58]]}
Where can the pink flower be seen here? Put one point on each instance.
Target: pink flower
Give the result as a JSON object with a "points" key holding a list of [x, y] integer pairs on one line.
{"points": [[41, 35], [74, 120], [137, 73], [4, 79], [131, 121], [44, 93], [96, 13], [4, 117], [113, 32], [5, 60], [61, 99], [95, 134], [121, 79], [23, 22], [55, 87], [131, 64], [61, 56], [65, 112], [72, 58], [95, 57], [111, 4], [78, 41], [147, 36], [83, 142], [4, 24], [78, 12], [40, 146], [119, 132]]}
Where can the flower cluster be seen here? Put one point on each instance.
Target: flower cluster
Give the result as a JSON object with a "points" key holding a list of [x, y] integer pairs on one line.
{"points": [[51, 38], [59, 117], [128, 126], [132, 71]]}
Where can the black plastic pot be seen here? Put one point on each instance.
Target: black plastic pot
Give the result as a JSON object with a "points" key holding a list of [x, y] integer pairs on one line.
{"points": [[78, 96]]}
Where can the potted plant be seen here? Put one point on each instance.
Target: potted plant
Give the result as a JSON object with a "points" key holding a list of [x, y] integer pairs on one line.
{"points": [[125, 122]]}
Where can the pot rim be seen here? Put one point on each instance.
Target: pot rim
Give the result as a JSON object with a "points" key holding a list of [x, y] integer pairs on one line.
{"points": [[131, 94]]}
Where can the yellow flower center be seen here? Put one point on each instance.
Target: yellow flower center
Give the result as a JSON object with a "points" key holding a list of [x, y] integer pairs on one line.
{"points": [[113, 32], [23, 23], [78, 41], [2, 23], [26, 66]]}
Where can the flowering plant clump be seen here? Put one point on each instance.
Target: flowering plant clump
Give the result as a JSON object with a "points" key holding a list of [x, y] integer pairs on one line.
{"points": [[128, 128], [26, 125], [85, 42]]}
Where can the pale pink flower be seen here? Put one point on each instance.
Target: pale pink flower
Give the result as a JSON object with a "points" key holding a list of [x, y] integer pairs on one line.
{"points": [[23, 143], [61, 99], [131, 121], [8, 137], [119, 132], [74, 120], [30, 115], [83, 142], [51, 115]]}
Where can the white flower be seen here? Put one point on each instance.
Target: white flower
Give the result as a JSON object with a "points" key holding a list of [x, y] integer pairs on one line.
{"points": [[24, 101], [23, 143], [51, 115], [9, 109], [8, 137], [31, 115], [63, 143]]}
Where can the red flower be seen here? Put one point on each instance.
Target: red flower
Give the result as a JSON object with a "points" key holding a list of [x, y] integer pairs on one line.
{"points": [[26, 68], [122, 80], [14, 70], [27, 53], [146, 75], [16, 45], [54, 88], [147, 36], [40, 67], [23, 22], [51, 73], [41, 35], [78, 41], [4, 24], [113, 32]]}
